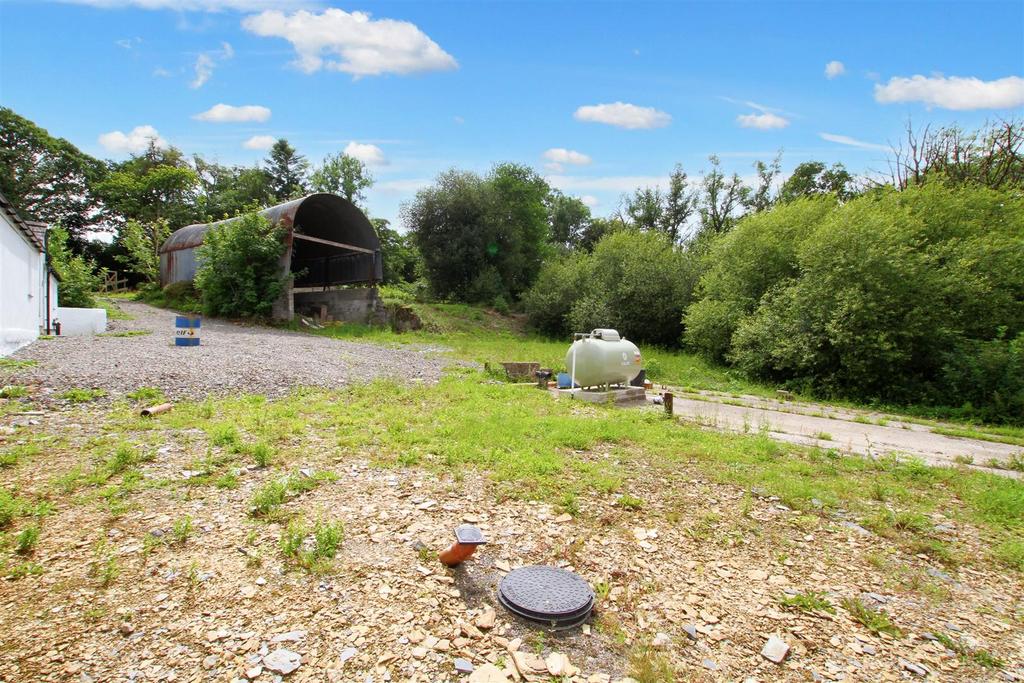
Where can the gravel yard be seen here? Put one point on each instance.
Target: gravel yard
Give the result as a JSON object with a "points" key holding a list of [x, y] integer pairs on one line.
{"points": [[233, 358]]}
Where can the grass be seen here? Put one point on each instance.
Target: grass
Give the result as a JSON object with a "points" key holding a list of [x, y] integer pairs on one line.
{"points": [[1010, 553], [13, 364], [26, 540], [997, 434], [125, 333], [113, 312], [811, 601], [77, 395], [873, 620], [966, 653], [147, 395], [647, 665], [316, 555], [182, 530], [13, 391]]}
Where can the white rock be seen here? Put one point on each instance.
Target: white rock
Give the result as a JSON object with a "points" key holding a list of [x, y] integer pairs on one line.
{"points": [[282, 661]]}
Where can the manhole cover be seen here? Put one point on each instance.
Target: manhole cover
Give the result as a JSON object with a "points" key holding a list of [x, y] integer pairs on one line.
{"points": [[548, 595]]}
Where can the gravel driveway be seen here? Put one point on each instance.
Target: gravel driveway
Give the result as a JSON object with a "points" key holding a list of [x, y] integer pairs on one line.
{"points": [[233, 358]]}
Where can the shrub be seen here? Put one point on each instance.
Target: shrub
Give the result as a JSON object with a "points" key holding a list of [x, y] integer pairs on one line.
{"points": [[240, 272], [558, 286], [78, 278]]}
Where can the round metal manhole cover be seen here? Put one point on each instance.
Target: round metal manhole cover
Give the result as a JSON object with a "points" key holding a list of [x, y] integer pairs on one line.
{"points": [[547, 594]]}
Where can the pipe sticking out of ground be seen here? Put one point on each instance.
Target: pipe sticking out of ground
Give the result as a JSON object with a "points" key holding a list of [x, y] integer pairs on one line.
{"points": [[467, 538]]}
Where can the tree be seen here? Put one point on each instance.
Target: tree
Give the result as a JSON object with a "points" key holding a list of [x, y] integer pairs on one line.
{"points": [[568, 218], [812, 178], [142, 242], [760, 198], [46, 178], [680, 203], [227, 191], [287, 169], [644, 208], [402, 261], [344, 175], [156, 185], [594, 231], [723, 197], [482, 239]]}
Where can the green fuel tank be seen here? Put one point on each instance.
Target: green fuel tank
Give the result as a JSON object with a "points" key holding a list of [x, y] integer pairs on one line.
{"points": [[602, 357]]}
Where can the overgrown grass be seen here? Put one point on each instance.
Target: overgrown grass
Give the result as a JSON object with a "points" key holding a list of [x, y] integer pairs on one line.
{"points": [[78, 395], [113, 311]]}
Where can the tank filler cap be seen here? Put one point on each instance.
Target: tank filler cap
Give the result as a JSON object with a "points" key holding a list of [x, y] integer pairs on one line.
{"points": [[606, 334]]}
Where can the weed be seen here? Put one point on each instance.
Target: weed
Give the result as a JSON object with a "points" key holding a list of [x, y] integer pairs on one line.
{"points": [[125, 333], [649, 666], [82, 395], [1010, 554], [629, 502], [12, 364], [146, 395], [328, 537], [569, 504], [13, 391], [602, 589], [104, 567], [317, 558], [966, 653], [262, 453], [873, 620], [228, 480], [267, 498], [26, 540], [537, 641], [426, 555], [223, 434], [811, 601], [823, 436], [24, 569], [182, 530], [964, 459]]}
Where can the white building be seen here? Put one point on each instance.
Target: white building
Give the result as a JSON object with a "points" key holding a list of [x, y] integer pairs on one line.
{"points": [[28, 289]]}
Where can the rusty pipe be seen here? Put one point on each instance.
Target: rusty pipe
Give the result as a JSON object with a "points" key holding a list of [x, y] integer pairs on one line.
{"points": [[156, 410], [467, 538]]}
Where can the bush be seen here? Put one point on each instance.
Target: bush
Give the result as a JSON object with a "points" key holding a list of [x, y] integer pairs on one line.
{"points": [[636, 282], [900, 297], [240, 272], [78, 278]]}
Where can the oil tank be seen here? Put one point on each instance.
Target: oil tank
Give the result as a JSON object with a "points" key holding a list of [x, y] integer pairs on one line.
{"points": [[602, 357]]}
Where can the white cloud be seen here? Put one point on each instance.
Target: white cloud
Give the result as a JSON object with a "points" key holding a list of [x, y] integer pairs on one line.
{"points": [[852, 142], [207, 61], [161, 72], [129, 43], [196, 5], [259, 142], [765, 121], [623, 115], [560, 155], [352, 42], [953, 92], [226, 113], [590, 200], [368, 154], [834, 69], [132, 142]]}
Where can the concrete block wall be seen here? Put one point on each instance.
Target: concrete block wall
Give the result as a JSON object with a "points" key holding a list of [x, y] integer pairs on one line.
{"points": [[353, 305]]}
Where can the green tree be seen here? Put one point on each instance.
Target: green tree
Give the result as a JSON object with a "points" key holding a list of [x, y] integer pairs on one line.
{"points": [[156, 185], [240, 271], [680, 204], [644, 209], [227, 191], [482, 239], [78, 278], [46, 178], [812, 178], [760, 197], [343, 175], [722, 199], [568, 217], [402, 261], [142, 242], [287, 169]]}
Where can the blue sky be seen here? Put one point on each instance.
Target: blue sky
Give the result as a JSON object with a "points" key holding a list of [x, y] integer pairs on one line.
{"points": [[599, 97]]}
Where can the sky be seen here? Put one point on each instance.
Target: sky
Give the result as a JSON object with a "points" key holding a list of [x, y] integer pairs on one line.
{"points": [[599, 97]]}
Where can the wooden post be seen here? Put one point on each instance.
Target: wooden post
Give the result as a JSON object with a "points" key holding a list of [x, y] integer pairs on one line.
{"points": [[667, 401]]}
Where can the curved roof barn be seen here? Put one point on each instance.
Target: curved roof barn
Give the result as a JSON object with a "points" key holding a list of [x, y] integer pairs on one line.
{"points": [[330, 242]]}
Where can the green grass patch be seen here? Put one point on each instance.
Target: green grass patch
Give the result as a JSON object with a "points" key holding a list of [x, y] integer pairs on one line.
{"points": [[113, 311], [126, 333], [811, 601], [146, 395], [873, 620], [13, 391], [311, 548], [1010, 435], [78, 395], [12, 364], [966, 653]]}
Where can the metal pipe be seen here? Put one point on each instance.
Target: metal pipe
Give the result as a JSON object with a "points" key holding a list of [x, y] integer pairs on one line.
{"points": [[156, 410]]}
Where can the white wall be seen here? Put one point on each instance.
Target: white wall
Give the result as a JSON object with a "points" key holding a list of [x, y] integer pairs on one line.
{"points": [[75, 321], [21, 274]]}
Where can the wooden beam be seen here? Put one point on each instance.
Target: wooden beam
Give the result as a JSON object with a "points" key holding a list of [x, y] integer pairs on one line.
{"points": [[340, 245]]}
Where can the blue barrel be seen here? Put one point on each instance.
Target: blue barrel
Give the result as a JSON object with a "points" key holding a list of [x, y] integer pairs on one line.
{"points": [[186, 330]]}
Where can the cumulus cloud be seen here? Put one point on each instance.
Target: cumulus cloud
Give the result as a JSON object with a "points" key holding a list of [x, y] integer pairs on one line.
{"points": [[623, 115], [352, 42], [206, 62], [834, 69], [259, 142], [590, 200], [560, 155], [226, 113], [133, 142], [196, 5], [953, 92], [852, 142], [765, 121], [367, 153]]}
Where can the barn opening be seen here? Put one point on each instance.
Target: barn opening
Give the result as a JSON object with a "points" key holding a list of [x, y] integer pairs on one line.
{"points": [[332, 251]]}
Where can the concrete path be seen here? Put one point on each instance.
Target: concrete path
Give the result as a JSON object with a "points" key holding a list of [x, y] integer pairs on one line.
{"points": [[829, 427]]}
